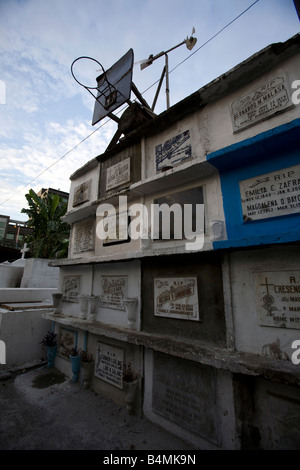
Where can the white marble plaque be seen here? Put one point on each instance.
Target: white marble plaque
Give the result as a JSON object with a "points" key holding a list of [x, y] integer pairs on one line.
{"points": [[109, 364], [82, 193], [83, 239], [272, 194], [118, 174], [278, 298], [176, 298], [263, 102], [71, 288], [113, 291]]}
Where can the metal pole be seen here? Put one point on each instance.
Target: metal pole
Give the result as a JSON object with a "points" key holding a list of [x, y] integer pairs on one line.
{"points": [[167, 82], [158, 88]]}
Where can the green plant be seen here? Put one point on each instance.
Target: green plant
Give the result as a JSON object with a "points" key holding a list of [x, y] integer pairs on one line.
{"points": [[50, 339], [50, 235]]}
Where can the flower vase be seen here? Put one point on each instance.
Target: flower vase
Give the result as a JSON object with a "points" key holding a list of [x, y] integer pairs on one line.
{"points": [[56, 302], [75, 365], [131, 310], [130, 390], [83, 305], [51, 355], [92, 308], [87, 372]]}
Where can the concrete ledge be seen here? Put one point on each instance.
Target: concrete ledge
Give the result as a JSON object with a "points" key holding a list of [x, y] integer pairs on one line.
{"points": [[198, 351], [20, 294]]}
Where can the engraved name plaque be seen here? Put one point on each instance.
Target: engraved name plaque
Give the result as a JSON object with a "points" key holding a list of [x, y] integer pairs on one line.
{"points": [[176, 298], [278, 298], [82, 193], [262, 103], [186, 394], [118, 174], [113, 291], [71, 288], [272, 194], [109, 364], [83, 239]]}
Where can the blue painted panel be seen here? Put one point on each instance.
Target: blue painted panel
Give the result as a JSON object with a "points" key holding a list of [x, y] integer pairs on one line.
{"points": [[273, 150]]}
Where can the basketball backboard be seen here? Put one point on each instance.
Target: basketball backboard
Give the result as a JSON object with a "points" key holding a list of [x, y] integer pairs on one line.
{"points": [[114, 87]]}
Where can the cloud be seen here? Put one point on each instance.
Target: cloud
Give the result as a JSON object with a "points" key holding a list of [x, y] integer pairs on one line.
{"points": [[46, 159]]}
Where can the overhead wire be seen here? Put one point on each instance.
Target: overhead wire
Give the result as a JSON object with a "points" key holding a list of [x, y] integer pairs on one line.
{"points": [[153, 84], [206, 42]]}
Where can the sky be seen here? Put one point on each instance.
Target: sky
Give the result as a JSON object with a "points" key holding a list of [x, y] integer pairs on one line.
{"points": [[46, 130]]}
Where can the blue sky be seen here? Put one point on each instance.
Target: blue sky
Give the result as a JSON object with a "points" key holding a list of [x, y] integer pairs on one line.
{"points": [[44, 113]]}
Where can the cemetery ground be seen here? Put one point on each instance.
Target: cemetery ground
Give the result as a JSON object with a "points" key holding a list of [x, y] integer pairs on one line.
{"points": [[41, 409]]}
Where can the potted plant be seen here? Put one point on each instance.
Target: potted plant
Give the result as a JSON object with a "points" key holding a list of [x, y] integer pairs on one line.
{"points": [[75, 358], [130, 384], [87, 365], [50, 343]]}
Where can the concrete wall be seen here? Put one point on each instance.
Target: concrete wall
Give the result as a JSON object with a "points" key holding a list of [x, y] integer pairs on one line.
{"points": [[26, 294], [193, 401], [267, 414], [91, 178], [208, 271], [38, 273], [22, 331], [11, 275], [89, 342], [132, 273], [250, 335], [85, 275]]}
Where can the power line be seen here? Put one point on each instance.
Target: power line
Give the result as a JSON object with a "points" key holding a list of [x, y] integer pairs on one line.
{"points": [[214, 36], [206, 42], [88, 136], [58, 160]]}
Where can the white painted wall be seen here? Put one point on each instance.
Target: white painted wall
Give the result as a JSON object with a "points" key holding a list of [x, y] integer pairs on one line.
{"points": [[22, 332], [86, 273], [219, 130], [38, 273], [130, 269], [225, 410], [26, 294], [250, 336], [10, 275], [92, 175], [211, 127]]}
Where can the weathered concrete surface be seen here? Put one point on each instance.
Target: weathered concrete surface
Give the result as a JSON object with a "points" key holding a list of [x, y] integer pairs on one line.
{"points": [[42, 410]]}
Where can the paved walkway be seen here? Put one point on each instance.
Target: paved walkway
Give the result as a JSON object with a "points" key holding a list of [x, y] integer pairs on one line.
{"points": [[43, 410]]}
